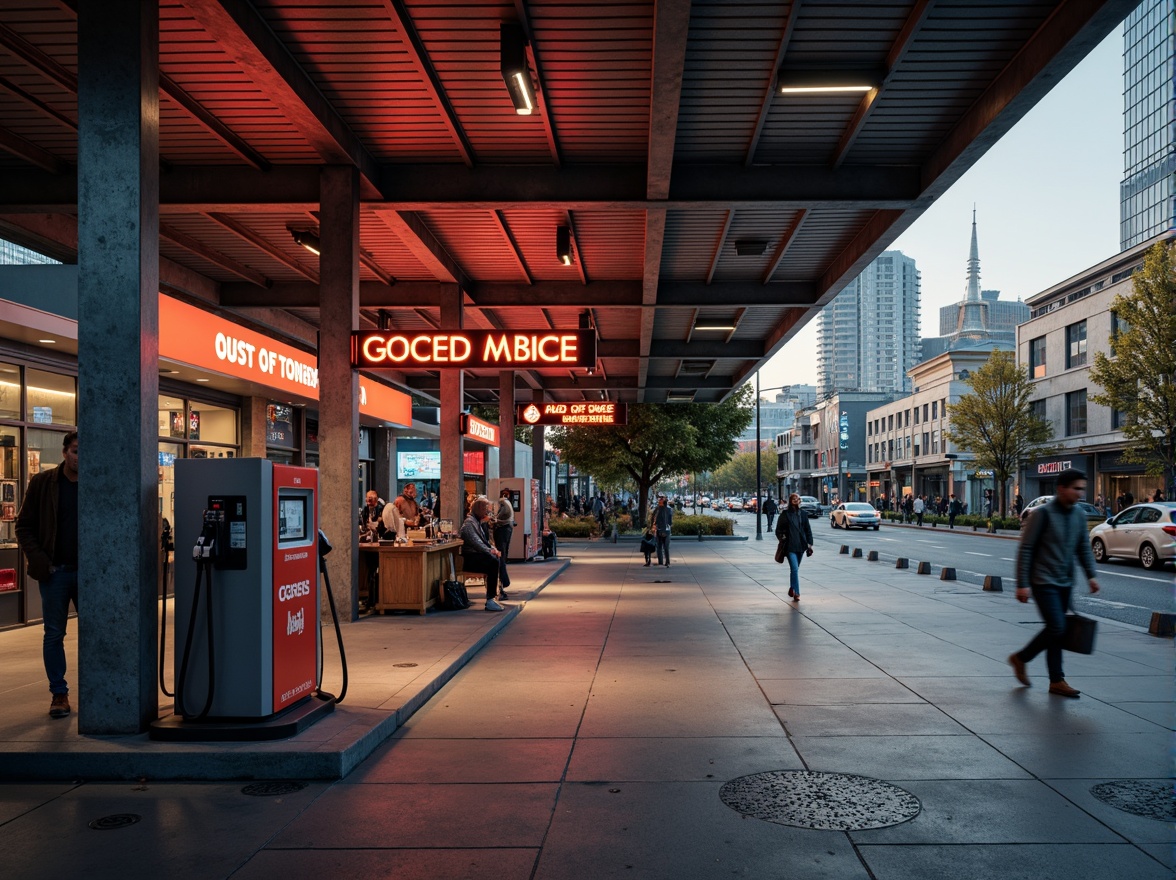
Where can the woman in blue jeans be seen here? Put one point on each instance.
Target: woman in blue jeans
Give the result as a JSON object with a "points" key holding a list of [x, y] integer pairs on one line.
{"points": [[795, 533]]}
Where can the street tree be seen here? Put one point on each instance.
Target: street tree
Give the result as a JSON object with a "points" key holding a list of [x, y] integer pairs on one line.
{"points": [[1138, 380], [661, 440], [738, 474], [994, 422]]}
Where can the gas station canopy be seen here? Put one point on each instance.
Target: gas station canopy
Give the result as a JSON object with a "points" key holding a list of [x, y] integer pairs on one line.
{"points": [[693, 179]]}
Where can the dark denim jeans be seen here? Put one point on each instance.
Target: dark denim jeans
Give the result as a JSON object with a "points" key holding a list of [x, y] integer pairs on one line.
{"points": [[56, 594], [1052, 603], [663, 546], [502, 536], [794, 572]]}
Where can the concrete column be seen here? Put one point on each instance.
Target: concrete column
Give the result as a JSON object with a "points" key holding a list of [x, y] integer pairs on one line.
{"points": [[118, 364], [537, 460], [338, 383], [253, 427], [506, 423], [382, 469], [118, 360], [452, 489]]}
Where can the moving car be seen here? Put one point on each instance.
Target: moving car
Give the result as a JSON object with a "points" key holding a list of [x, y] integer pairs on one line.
{"points": [[855, 513], [810, 506], [1094, 516], [734, 504], [1146, 532]]}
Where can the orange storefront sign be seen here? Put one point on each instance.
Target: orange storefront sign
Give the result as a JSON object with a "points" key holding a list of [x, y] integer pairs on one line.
{"points": [[189, 335]]}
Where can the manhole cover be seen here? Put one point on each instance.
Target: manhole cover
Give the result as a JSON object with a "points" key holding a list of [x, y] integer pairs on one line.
{"points": [[118, 820], [823, 801], [404, 665], [1152, 800], [272, 789]]}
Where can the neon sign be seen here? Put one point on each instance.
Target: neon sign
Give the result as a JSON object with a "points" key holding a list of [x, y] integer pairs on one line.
{"points": [[472, 349], [483, 432], [603, 413]]}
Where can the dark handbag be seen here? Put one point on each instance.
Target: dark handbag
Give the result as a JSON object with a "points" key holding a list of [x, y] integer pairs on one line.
{"points": [[781, 552], [452, 592], [648, 543], [1080, 632]]}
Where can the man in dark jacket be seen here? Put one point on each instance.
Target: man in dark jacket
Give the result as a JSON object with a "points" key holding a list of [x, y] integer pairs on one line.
{"points": [[770, 509], [47, 530], [662, 522], [1055, 536], [795, 533]]}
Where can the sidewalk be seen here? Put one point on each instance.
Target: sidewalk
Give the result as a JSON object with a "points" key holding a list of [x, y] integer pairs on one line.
{"points": [[607, 732]]}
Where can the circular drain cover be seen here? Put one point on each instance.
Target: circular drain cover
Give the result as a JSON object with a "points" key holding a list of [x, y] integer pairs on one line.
{"points": [[112, 823], [1152, 800], [823, 801], [404, 665], [272, 789]]}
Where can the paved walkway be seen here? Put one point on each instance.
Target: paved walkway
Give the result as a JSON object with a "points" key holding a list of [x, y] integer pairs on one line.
{"points": [[593, 736]]}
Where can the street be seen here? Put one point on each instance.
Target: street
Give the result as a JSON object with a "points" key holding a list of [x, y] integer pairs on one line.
{"points": [[1129, 593]]}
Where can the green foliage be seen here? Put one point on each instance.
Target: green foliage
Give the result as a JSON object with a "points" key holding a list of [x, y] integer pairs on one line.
{"points": [[1139, 378], [994, 422], [710, 525], [738, 474], [661, 440], [963, 520], [575, 527]]}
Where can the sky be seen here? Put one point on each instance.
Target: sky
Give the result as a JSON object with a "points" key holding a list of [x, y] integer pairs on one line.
{"points": [[1047, 207]]}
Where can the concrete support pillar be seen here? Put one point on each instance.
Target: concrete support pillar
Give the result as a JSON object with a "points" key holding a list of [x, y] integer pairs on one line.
{"points": [[253, 427], [452, 489], [118, 364], [506, 423], [382, 470], [338, 383], [537, 460]]}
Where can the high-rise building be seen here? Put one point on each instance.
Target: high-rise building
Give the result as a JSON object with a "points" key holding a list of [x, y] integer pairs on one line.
{"points": [[1147, 203], [980, 317], [12, 254], [869, 335]]}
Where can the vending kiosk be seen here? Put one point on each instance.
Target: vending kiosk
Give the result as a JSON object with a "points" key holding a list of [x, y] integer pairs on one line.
{"points": [[247, 637], [524, 498]]}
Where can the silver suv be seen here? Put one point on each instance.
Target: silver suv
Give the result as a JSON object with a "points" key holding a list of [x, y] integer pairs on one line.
{"points": [[810, 506]]}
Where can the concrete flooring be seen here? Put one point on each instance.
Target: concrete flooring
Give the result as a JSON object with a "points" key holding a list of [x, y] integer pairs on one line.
{"points": [[591, 736]]}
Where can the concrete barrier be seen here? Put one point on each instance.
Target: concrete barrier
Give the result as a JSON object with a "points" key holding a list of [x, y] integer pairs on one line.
{"points": [[902, 562], [1162, 624], [947, 574], [924, 568], [872, 556], [857, 552], [992, 584], [844, 549]]}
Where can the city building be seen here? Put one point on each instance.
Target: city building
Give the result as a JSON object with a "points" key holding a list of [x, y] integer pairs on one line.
{"points": [[869, 334], [12, 254], [980, 316], [776, 415], [1147, 202], [907, 449], [1069, 323]]}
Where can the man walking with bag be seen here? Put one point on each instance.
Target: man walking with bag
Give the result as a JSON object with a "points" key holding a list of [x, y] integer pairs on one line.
{"points": [[770, 508], [796, 537], [1054, 536], [662, 522]]}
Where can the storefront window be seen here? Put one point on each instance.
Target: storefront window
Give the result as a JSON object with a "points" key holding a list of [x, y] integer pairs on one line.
{"points": [[52, 398], [44, 450], [9, 391], [168, 453], [10, 493]]}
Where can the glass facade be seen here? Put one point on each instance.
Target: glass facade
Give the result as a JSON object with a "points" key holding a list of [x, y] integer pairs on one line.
{"points": [[15, 255], [191, 429], [1147, 207]]}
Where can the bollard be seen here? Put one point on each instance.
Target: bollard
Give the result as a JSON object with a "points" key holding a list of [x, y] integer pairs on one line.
{"points": [[1162, 624], [992, 584], [844, 549], [902, 562], [857, 552], [872, 556], [924, 568], [947, 574]]}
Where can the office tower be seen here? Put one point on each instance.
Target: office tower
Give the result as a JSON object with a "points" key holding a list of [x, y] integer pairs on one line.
{"points": [[869, 334], [1147, 206]]}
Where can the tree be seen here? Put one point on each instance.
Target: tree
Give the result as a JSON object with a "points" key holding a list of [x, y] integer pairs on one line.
{"points": [[994, 422], [660, 440], [738, 474], [1139, 378]]}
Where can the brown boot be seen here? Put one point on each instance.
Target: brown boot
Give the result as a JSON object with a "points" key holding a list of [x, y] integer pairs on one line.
{"points": [[1063, 690], [59, 708], [1019, 670]]}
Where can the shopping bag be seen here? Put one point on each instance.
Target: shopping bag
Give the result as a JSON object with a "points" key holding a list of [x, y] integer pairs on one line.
{"points": [[1080, 632]]}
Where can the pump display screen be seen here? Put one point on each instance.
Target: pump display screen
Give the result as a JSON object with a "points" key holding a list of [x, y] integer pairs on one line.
{"points": [[291, 519]]}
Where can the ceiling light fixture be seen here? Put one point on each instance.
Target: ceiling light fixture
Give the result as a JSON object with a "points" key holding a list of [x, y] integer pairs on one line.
{"points": [[680, 398], [563, 244], [707, 325], [308, 239], [826, 82], [47, 341], [515, 73], [750, 247]]}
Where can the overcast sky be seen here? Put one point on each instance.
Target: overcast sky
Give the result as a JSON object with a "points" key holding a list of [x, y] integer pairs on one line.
{"points": [[1047, 207]]}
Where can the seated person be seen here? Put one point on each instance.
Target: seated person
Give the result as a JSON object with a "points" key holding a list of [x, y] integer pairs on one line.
{"points": [[407, 507], [393, 522], [371, 525], [477, 553]]}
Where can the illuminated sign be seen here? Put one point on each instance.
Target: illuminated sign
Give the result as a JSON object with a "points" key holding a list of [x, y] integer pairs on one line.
{"points": [[192, 336], [483, 432], [1052, 467], [604, 412], [472, 349]]}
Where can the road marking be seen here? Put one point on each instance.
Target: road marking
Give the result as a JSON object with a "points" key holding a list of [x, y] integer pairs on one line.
{"points": [[1108, 602], [972, 553], [1007, 559], [1137, 577], [932, 543]]}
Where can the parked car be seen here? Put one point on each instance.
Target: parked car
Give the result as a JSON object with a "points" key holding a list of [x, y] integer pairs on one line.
{"points": [[854, 514], [751, 505], [1146, 532], [734, 504], [718, 504], [704, 501], [810, 506], [1094, 516]]}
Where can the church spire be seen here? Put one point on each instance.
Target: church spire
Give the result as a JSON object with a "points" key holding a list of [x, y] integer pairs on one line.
{"points": [[973, 265], [973, 314]]}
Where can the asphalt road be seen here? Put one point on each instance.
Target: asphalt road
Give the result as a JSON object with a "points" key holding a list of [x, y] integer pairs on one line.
{"points": [[1129, 593]]}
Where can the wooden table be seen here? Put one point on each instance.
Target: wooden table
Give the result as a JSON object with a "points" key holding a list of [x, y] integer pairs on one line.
{"points": [[408, 573]]}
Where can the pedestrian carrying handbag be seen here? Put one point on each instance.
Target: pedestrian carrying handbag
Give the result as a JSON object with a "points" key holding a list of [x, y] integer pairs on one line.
{"points": [[453, 595], [781, 552], [1080, 632]]}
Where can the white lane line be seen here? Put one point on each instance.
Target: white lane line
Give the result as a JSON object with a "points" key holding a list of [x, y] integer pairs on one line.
{"points": [[932, 543], [1137, 577], [972, 553], [1109, 602], [1007, 559]]}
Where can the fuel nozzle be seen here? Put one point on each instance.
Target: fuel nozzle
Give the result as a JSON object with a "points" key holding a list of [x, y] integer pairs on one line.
{"points": [[207, 545]]}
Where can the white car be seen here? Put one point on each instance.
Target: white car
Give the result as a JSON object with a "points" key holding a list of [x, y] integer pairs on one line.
{"points": [[1146, 532], [734, 504], [855, 514]]}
